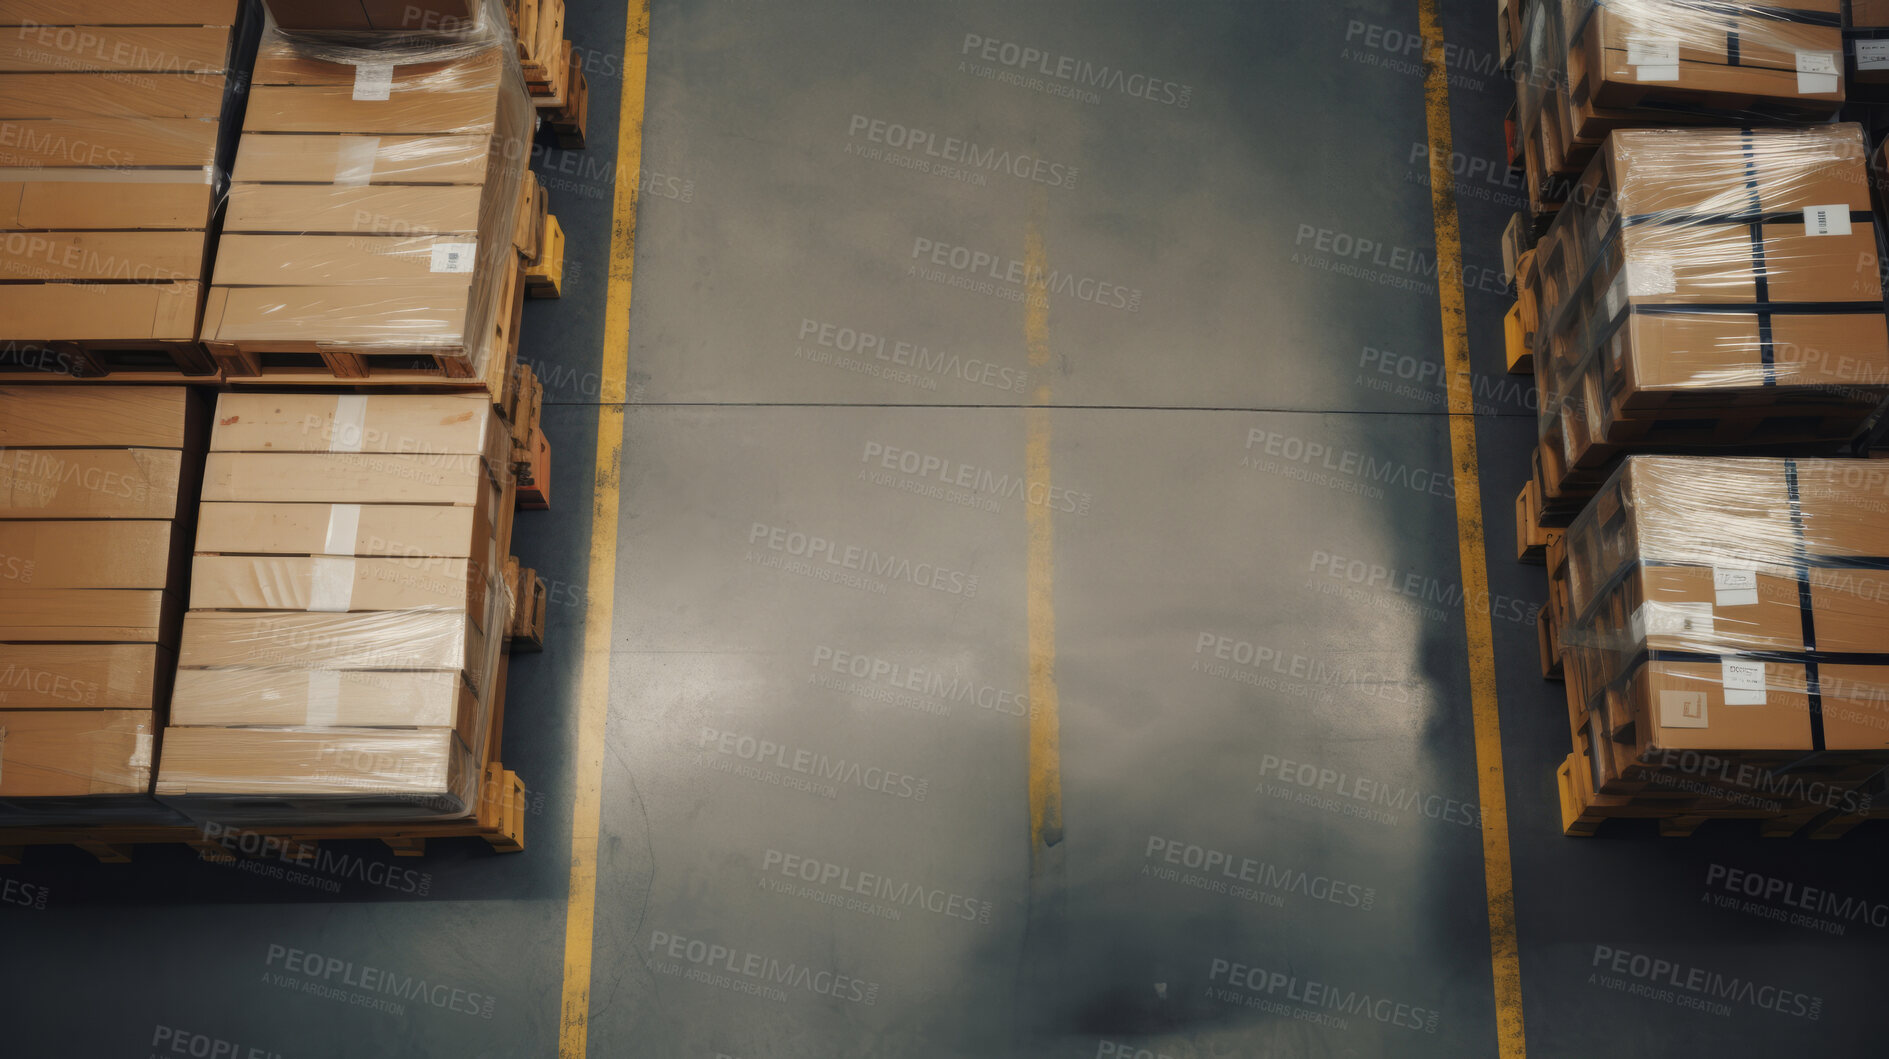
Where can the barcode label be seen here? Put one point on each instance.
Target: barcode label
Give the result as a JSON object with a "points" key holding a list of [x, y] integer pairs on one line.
{"points": [[373, 81], [454, 257], [1734, 588], [1872, 55], [1818, 73], [1827, 220], [1652, 51]]}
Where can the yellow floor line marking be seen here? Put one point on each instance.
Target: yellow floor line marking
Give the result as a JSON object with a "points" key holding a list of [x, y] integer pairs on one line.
{"points": [[593, 688], [1045, 753], [1504, 953]]}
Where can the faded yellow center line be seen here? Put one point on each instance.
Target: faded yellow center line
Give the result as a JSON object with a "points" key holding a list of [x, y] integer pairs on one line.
{"points": [[1498, 876], [1045, 752], [593, 688]]}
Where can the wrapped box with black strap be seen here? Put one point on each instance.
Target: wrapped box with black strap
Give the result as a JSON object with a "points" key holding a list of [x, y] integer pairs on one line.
{"points": [[1733, 610], [1711, 290]]}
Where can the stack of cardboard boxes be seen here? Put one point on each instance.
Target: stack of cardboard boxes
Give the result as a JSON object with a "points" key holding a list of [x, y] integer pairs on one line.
{"points": [[1586, 68], [371, 216], [1732, 608], [348, 607], [97, 494], [110, 121], [1709, 288]]}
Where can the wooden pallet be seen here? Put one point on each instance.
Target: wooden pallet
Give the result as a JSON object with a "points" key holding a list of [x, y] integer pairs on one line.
{"points": [[545, 277], [566, 123], [108, 362], [499, 821], [528, 614]]}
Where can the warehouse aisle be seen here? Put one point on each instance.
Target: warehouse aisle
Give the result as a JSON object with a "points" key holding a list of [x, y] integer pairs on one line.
{"points": [[1038, 620]]}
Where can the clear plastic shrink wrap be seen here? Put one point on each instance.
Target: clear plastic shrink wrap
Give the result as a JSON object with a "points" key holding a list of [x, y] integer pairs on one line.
{"points": [[1588, 67], [348, 610], [97, 487], [1736, 608], [111, 144], [1708, 288], [375, 191]]}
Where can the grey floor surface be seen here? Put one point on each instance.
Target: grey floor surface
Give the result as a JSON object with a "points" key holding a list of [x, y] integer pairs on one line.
{"points": [[816, 834]]}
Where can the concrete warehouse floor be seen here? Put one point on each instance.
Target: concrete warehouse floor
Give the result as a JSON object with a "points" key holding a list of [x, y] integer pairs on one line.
{"points": [[1134, 725]]}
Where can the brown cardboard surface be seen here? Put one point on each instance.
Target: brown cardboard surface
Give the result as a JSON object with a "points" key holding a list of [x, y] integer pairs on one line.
{"points": [[1681, 351], [421, 14], [305, 529], [184, 203], [65, 95], [298, 640], [1675, 594], [333, 108], [116, 416], [1675, 263], [1846, 507], [339, 478], [120, 12], [73, 676], [1704, 170], [325, 698], [1855, 707], [107, 553], [337, 584], [100, 312], [1869, 13], [142, 257], [394, 211], [89, 483], [317, 14], [426, 762], [404, 317], [113, 143], [87, 615], [282, 62], [391, 423], [1782, 722], [339, 261], [61, 753], [292, 158], [1851, 608], [148, 49]]}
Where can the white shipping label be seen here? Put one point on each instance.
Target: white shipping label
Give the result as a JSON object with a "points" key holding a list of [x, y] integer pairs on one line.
{"points": [[1827, 220], [1650, 274], [373, 81], [1743, 681], [1673, 619], [332, 589], [1817, 72], [1734, 588], [1653, 51], [1682, 709], [1872, 55], [454, 257], [1663, 72]]}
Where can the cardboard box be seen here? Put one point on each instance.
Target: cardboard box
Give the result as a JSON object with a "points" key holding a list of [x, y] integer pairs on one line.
{"points": [[1629, 56], [412, 15], [325, 698], [66, 95], [343, 160], [338, 584], [87, 615], [1851, 610], [366, 210], [344, 477], [429, 316], [337, 109], [157, 417], [101, 312], [1683, 706], [161, 199], [294, 640], [284, 62], [120, 49], [1855, 706], [346, 529], [440, 266], [368, 423], [141, 257], [66, 753], [90, 483], [425, 763], [80, 676], [1705, 171], [107, 143], [120, 12], [110, 553]]}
